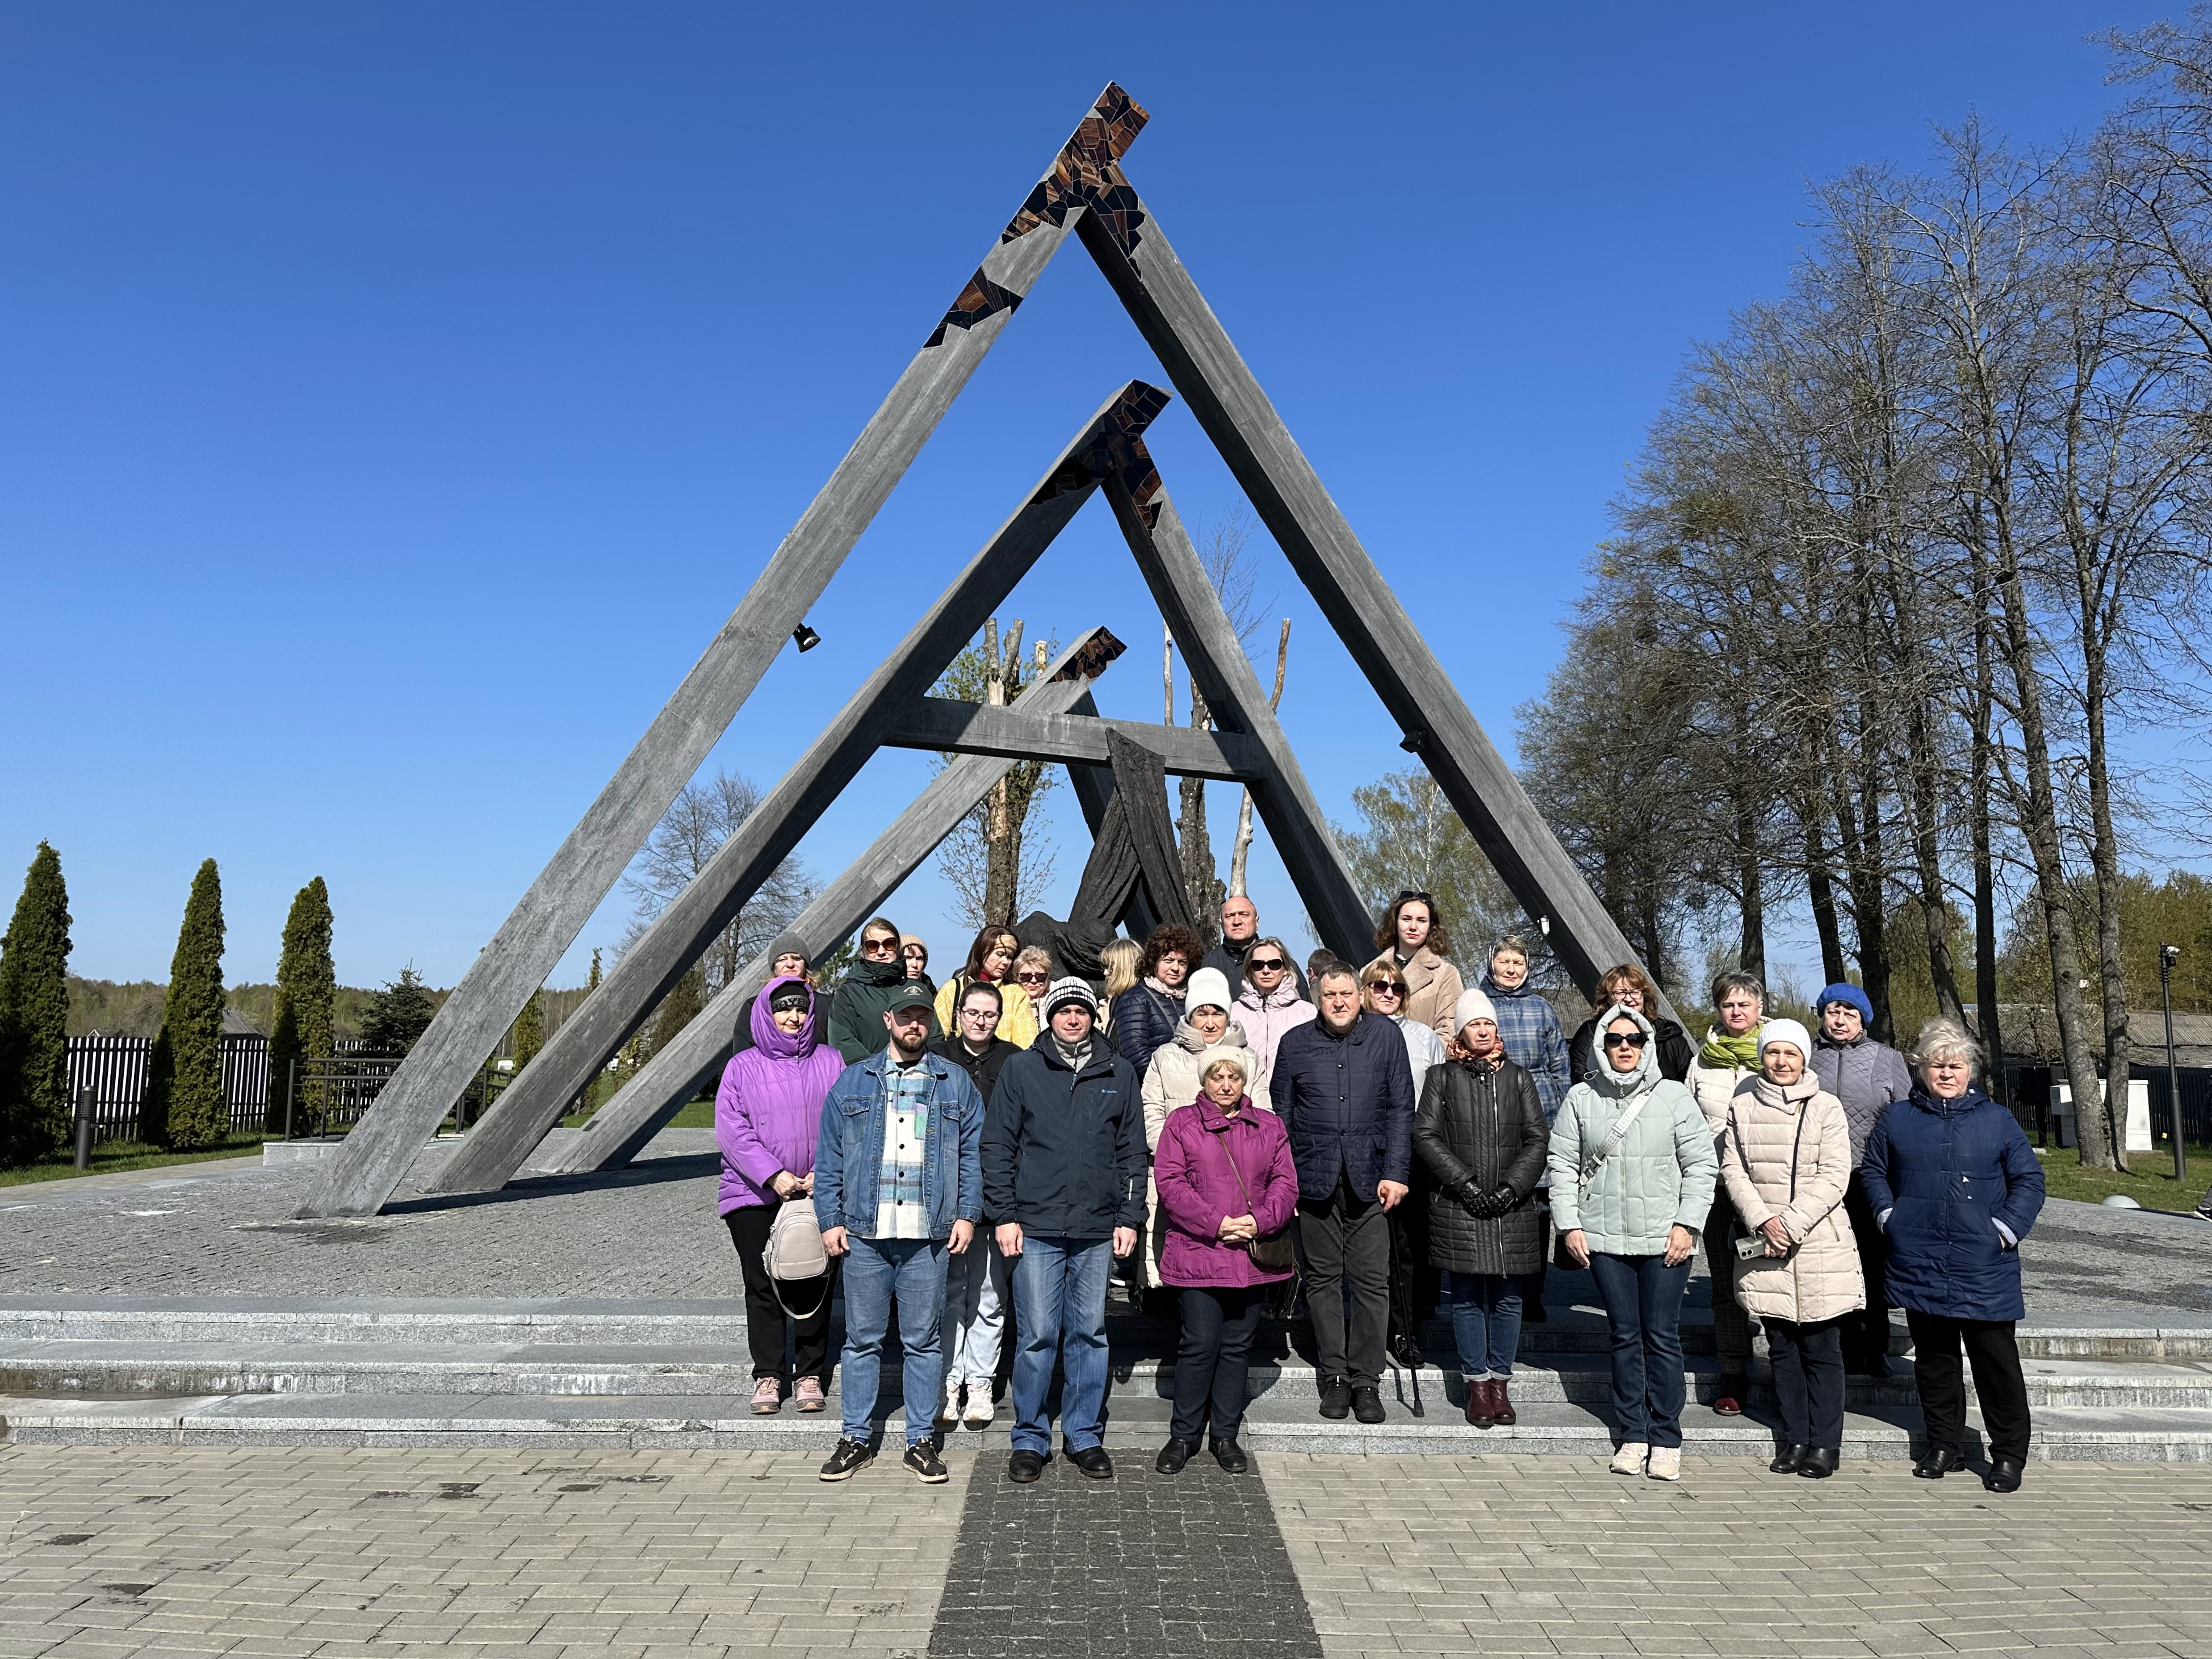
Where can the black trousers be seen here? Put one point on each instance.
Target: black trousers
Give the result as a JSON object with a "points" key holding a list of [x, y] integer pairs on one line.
{"points": [[1808, 1380], [1731, 1324], [1994, 1356], [1866, 1333], [1215, 1358], [767, 1325], [1344, 1245], [1412, 1280]]}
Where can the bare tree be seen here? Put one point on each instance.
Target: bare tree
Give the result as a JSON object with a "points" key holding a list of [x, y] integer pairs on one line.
{"points": [[999, 860]]}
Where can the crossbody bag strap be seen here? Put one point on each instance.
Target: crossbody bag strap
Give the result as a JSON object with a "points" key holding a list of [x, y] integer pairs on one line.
{"points": [[1611, 1143]]}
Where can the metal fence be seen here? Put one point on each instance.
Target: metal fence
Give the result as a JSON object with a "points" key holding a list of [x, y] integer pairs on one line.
{"points": [[2031, 1095], [322, 1096], [114, 1069]]}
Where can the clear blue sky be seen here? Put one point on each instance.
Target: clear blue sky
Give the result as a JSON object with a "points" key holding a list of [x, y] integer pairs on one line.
{"points": [[396, 398]]}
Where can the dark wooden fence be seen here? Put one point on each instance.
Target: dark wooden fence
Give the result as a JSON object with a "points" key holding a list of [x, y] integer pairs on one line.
{"points": [[114, 1069]]}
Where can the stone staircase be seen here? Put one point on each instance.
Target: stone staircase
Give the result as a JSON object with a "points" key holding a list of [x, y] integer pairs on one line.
{"points": [[568, 1372]]}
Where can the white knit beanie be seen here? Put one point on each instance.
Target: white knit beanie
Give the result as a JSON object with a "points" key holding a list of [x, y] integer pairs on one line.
{"points": [[1472, 1005], [1208, 988], [1786, 1031]]}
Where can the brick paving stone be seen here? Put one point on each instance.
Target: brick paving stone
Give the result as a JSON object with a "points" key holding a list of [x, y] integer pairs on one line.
{"points": [[1736, 1563], [271, 1551]]}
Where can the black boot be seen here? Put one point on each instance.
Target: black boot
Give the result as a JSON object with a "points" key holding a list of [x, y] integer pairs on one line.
{"points": [[2004, 1475], [1936, 1463], [1789, 1460], [1820, 1462]]}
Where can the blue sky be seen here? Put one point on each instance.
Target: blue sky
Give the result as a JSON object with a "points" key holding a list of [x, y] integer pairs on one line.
{"points": [[396, 398]]}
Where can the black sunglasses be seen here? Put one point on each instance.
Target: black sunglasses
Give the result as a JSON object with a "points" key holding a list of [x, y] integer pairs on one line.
{"points": [[1625, 1039], [1380, 986], [1407, 894], [1262, 962]]}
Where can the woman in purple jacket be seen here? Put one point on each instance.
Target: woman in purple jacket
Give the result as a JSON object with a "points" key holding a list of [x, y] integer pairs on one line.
{"points": [[1225, 1179], [767, 1114]]}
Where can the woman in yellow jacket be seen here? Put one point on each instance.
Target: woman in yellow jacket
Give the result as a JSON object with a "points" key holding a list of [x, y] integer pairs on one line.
{"points": [[988, 959]]}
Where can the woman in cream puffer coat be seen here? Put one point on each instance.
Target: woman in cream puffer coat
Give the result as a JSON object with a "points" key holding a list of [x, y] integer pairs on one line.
{"points": [[1785, 1161]]}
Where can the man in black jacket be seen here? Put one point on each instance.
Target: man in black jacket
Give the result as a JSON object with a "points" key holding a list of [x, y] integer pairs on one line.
{"points": [[1345, 1091], [1240, 931], [1064, 1161]]}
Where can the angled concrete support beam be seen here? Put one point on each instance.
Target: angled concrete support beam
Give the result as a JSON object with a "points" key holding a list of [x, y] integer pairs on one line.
{"points": [[978, 728], [584, 869], [1110, 445], [619, 1130], [1137, 260], [1295, 821]]}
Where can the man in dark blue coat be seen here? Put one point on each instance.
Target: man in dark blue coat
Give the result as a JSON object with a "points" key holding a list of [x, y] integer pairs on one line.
{"points": [[1345, 1091], [1064, 1163]]}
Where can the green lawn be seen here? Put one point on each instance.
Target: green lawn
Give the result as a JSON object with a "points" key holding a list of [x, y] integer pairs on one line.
{"points": [[113, 1156], [2152, 1184], [699, 1115]]}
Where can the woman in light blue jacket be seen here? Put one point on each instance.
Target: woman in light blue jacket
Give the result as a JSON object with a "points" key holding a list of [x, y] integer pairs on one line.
{"points": [[1632, 1173]]}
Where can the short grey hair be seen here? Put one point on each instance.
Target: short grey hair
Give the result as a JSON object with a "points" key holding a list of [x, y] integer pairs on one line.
{"points": [[1945, 1039], [1725, 983], [1511, 943]]}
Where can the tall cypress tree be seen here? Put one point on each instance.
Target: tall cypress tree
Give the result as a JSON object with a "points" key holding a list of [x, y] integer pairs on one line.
{"points": [[528, 1030], [34, 1103], [184, 1107], [307, 995]]}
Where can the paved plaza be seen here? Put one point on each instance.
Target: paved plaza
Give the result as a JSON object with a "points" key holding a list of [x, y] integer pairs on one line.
{"points": [[651, 1232], [385, 1554]]}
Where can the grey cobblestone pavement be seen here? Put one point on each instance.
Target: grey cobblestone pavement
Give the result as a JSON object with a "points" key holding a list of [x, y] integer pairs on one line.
{"points": [[1545, 1556], [651, 1232], [386, 1554]]}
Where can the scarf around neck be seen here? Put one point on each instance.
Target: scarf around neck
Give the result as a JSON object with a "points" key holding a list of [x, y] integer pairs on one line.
{"points": [[1738, 1053], [1078, 1055]]}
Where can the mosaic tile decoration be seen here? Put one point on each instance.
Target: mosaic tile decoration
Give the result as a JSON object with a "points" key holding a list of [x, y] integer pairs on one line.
{"points": [[1117, 451], [1083, 175], [1088, 175]]}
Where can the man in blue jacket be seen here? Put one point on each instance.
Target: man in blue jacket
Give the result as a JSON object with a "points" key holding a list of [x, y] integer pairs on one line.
{"points": [[898, 1186], [1345, 1091], [1064, 1161]]}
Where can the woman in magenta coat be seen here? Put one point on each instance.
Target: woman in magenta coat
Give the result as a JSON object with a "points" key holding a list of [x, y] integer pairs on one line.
{"points": [[767, 1114], [1225, 1179]]}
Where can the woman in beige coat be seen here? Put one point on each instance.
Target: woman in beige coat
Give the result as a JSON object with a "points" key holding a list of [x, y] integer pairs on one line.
{"points": [[1411, 939], [1786, 1159]]}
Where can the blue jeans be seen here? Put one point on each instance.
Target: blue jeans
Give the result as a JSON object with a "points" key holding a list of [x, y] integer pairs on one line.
{"points": [[1485, 1316], [1643, 1298], [913, 1271], [1059, 1294]]}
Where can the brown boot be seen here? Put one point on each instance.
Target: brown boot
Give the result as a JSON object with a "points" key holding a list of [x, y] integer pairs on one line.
{"points": [[1500, 1405], [1480, 1410]]}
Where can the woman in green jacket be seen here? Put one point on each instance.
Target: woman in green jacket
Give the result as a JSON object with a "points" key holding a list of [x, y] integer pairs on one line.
{"points": [[1632, 1173]]}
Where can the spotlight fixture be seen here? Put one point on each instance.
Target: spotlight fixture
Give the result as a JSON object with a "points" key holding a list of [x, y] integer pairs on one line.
{"points": [[1411, 742], [807, 639]]}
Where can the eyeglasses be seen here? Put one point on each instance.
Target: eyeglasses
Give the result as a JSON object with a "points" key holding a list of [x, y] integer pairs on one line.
{"points": [[1253, 965], [1625, 1039]]}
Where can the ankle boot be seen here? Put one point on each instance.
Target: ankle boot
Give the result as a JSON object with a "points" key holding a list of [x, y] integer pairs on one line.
{"points": [[1480, 1411], [1502, 1404], [1820, 1462], [1790, 1461]]}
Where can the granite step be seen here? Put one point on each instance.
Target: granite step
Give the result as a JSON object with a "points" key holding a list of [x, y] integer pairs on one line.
{"points": [[1284, 1420]]}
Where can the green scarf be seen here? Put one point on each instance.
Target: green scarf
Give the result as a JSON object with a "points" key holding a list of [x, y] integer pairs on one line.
{"points": [[1738, 1053]]}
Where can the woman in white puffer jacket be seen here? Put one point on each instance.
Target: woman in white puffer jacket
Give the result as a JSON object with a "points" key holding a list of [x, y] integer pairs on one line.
{"points": [[1785, 1160]]}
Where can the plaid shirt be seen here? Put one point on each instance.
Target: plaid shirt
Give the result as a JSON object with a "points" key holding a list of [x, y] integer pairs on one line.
{"points": [[1530, 1030], [901, 1207]]}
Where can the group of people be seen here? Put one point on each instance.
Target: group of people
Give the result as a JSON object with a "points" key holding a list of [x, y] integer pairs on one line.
{"points": [[1223, 1129]]}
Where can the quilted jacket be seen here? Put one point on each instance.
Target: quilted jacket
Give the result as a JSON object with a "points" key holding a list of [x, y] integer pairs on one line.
{"points": [[1662, 1174], [1487, 1127], [1947, 1172], [1779, 1141], [1170, 1081]]}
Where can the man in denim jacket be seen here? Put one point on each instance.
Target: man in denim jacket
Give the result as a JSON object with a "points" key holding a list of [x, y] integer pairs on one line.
{"points": [[898, 1183]]}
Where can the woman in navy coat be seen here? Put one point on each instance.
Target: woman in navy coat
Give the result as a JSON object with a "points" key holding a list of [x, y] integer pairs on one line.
{"points": [[1955, 1187]]}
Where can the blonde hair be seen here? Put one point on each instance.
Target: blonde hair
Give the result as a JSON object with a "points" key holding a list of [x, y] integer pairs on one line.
{"points": [[1940, 1039], [1122, 960]]}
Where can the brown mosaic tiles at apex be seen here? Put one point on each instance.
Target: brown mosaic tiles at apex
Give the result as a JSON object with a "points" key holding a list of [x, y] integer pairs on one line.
{"points": [[1081, 175], [1118, 450], [1087, 174]]}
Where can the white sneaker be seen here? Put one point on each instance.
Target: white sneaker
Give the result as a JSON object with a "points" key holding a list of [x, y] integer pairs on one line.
{"points": [[979, 1405], [1666, 1463], [949, 1413], [1629, 1460]]}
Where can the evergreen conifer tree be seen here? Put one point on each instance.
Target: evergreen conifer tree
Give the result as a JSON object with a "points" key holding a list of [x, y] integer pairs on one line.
{"points": [[34, 1097], [684, 1001], [529, 1033], [184, 1107], [398, 1014], [307, 996]]}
